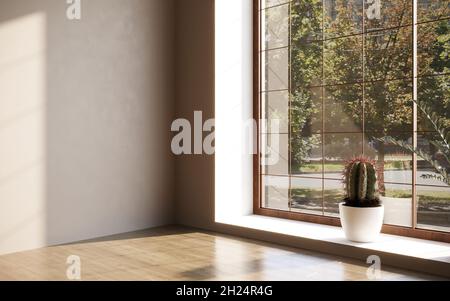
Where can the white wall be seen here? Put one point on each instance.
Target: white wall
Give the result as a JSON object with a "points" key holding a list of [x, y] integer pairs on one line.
{"points": [[214, 75], [85, 113], [233, 109]]}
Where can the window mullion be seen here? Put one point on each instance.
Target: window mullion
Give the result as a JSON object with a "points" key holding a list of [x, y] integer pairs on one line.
{"points": [[414, 79]]}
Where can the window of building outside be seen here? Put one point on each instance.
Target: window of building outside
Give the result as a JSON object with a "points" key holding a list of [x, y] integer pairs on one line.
{"points": [[334, 77]]}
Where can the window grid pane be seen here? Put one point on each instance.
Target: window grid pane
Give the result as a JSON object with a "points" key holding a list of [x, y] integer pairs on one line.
{"points": [[349, 73]]}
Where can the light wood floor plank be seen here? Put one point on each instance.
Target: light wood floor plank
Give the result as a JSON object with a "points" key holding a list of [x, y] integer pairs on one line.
{"points": [[176, 253]]}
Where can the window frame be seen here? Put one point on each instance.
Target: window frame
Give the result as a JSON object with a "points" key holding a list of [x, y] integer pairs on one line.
{"points": [[317, 219]]}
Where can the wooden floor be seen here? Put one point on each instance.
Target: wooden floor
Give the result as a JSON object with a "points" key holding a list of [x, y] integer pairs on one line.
{"points": [[174, 253]]}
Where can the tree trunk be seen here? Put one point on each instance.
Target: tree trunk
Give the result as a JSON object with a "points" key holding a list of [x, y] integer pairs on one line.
{"points": [[381, 156]]}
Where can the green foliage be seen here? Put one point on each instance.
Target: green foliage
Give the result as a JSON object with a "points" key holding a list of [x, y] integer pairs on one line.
{"points": [[360, 183], [439, 125], [338, 60], [443, 145], [302, 143], [441, 63], [305, 66]]}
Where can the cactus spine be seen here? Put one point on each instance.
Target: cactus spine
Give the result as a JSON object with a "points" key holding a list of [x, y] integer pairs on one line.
{"points": [[360, 177]]}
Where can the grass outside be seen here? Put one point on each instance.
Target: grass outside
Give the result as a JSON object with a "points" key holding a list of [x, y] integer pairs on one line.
{"points": [[433, 206], [338, 167], [338, 194], [432, 197]]}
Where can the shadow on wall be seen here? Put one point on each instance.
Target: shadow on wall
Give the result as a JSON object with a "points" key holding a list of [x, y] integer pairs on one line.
{"points": [[85, 108]]}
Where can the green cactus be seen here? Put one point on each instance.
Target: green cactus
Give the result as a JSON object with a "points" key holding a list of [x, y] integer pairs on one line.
{"points": [[360, 178], [371, 182]]}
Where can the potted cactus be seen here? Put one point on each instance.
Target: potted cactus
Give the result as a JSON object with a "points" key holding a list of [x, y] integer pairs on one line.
{"points": [[361, 212]]}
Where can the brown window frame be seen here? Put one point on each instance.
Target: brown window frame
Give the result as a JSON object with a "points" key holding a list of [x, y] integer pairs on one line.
{"points": [[257, 178]]}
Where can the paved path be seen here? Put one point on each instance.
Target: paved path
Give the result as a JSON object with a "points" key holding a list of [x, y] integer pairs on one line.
{"points": [[390, 176]]}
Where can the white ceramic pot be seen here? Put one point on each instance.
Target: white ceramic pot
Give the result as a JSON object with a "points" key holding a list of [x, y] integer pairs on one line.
{"points": [[361, 224]]}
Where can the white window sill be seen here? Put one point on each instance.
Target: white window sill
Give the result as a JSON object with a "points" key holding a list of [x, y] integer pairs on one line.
{"points": [[388, 244]]}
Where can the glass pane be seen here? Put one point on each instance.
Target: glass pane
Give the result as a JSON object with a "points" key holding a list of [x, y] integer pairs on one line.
{"points": [[343, 60], [343, 108], [433, 208], [338, 149], [306, 62], [306, 111], [397, 201], [342, 17], [275, 71], [306, 195], [275, 107], [432, 9], [306, 21], [276, 154], [270, 3], [275, 193], [334, 194], [275, 24], [306, 155], [381, 14], [435, 92], [433, 47], [427, 174], [394, 163], [332, 116], [388, 107], [388, 54]]}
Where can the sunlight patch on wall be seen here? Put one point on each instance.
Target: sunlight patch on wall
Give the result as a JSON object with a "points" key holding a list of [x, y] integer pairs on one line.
{"points": [[233, 102], [22, 132]]}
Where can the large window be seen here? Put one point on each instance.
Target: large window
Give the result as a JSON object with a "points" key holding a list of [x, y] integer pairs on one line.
{"points": [[337, 75]]}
